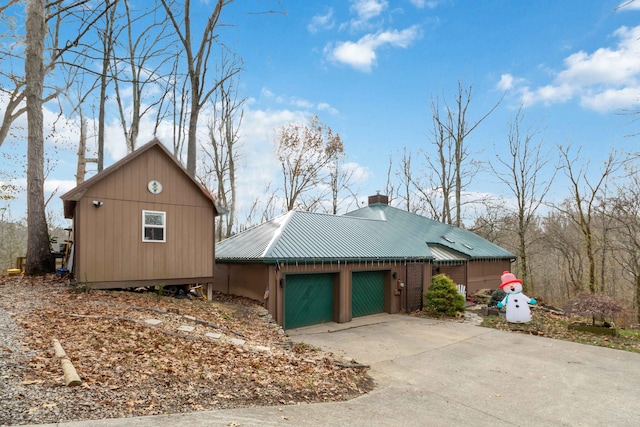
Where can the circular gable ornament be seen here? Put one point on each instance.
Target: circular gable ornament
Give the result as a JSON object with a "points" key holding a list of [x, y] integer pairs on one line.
{"points": [[154, 187]]}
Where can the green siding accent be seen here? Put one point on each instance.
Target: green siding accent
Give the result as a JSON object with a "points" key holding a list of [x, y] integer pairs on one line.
{"points": [[308, 300], [367, 293]]}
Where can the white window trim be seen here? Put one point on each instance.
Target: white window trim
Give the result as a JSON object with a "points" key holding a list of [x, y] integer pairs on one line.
{"points": [[163, 226]]}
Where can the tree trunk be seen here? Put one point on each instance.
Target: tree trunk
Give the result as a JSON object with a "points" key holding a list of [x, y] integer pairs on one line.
{"points": [[637, 292], [192, 139], [39, 260], [81, 169]]}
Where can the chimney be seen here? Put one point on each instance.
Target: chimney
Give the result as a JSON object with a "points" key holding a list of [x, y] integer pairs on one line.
{"points": [[378, 199]]}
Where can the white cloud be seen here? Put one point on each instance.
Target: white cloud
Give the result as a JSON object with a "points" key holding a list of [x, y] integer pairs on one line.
{"points": [[506, 82], [361, 55], [605, 80], [612, 99], [323, 106], [629, 5], [321, 22], [368, 9], [421, 4], [258, 164], [60, 186], [365, 12], [294, 101]]}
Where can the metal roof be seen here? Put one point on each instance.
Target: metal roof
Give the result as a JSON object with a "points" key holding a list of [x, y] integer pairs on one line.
{"points": [[379, 232], [436, 233], [444, 254]]}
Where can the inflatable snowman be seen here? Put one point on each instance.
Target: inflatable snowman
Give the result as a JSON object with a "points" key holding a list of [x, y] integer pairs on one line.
{"points": [[516, 303]]}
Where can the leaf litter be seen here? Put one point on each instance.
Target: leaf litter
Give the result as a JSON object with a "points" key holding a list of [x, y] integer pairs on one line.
{"points": [[234, 356]]}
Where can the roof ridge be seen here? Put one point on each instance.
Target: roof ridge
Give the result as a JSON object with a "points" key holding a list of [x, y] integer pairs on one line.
{"points": [[276, 236]]}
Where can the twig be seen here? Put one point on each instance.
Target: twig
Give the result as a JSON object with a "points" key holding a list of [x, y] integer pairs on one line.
{"points": [[351, 365]]}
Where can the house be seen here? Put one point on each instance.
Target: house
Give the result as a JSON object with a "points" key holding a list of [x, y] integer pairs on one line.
{"points": [[141, 222], [312, 268]]}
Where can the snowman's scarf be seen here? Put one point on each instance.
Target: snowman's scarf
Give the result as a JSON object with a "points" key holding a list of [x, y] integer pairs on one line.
{"points": [[506, 299]]}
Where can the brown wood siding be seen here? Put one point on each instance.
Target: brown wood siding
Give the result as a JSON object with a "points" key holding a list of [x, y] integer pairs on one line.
{"points": [[486, 274], [110, 246], [457, 273], [247, 280], [251, 280]]}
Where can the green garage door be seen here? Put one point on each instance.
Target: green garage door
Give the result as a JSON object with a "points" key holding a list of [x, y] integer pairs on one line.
{"points": [[367, 293], [308, 300]]}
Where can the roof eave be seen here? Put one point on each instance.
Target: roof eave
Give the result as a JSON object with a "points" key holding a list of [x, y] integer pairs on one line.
{"points": [[321, 260]]}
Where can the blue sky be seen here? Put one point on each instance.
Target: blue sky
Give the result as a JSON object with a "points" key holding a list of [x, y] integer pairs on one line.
{"points": [[368, 69]]}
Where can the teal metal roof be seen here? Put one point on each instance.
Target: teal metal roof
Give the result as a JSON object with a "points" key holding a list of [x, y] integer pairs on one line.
{"points": [[377, 232], [436, 233]]}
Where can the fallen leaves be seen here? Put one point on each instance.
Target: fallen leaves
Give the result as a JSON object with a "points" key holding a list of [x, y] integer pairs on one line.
{"points": [[555, 326], [233, 357]]}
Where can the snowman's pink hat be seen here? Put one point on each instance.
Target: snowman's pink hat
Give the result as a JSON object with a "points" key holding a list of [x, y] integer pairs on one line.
{"points": [[508, 278]]}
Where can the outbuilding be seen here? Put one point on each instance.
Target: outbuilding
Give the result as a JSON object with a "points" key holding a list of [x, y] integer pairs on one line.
{"points": [[312, 268], [142, 222]]}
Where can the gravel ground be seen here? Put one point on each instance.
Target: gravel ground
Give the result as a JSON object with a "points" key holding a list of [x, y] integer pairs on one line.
{"points": [[14, 359], [130, 369]]}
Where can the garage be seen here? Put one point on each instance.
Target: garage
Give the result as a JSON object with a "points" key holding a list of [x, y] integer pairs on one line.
{"points": [[367, 293], [308, 299], [321, 268]]}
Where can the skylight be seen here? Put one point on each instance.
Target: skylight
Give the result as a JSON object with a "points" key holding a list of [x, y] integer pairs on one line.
{"points": [[448, 239]]}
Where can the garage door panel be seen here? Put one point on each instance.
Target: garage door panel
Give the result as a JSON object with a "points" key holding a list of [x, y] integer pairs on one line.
{"points": [[308, 300], [367, 293]]}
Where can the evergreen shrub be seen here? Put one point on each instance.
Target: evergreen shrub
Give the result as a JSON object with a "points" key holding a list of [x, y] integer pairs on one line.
{"points": [[442, 297], [496, 296]]}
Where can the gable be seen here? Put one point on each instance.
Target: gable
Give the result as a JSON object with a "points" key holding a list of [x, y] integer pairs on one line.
{"points": [[128, 180]]}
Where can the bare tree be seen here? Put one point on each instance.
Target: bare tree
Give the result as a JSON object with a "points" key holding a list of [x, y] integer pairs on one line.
{"points": [[16, 95], [265, 210], [197, 63], [390, 188], [443, 166], [146, 52], [108, 41], [625, 213], [342, 184], [564, 243], [220, 152], [584, 197], [81, 169], [405, 176], [304, 152], [38, 251], [454, 160], [56, 15], [523, 172]]}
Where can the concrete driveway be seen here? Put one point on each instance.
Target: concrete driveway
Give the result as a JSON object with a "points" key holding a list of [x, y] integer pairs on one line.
{"points": [[437, 373]]}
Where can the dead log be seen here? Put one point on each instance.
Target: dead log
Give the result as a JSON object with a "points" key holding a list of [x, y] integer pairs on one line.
{"points": [[71, 377]]}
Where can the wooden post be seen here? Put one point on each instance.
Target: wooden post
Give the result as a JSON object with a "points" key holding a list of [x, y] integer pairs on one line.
{"points": [[71, 377]]}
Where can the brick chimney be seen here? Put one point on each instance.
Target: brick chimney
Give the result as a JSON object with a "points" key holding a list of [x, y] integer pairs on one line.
{"points": [[378, 199]]}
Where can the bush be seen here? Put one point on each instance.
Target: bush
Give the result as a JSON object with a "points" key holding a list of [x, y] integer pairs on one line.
{"points": [[595, 306], [442, 297], [496, 296]]}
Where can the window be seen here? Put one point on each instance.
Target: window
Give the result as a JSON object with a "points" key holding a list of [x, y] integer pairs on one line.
{"points": [[154, 225]]}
